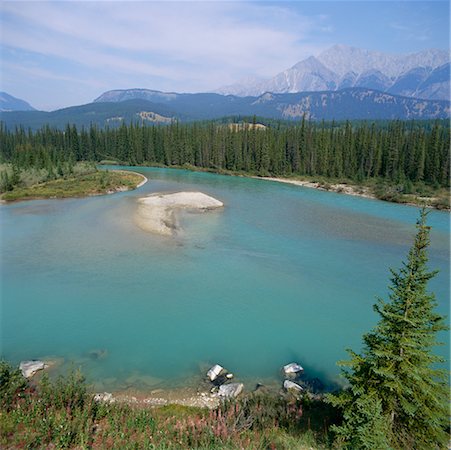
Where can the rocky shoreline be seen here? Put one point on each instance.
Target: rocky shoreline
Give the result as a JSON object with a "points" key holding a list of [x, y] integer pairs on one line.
{"points": [[215, 386], [341, 188], [355, 190]]}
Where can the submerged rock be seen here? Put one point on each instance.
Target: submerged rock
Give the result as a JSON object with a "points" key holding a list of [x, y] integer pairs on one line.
{"points": [[231, 390], [291, 386], [315, 385], [98, 353], [29, 368], [293, 369]]}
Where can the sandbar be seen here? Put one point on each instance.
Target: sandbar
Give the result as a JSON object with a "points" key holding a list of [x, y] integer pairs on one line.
{"points": [[340, 188], [156, 212]]}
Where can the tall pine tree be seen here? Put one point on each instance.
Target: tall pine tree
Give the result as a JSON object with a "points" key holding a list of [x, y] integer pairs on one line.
{"points": [[397, 397]]}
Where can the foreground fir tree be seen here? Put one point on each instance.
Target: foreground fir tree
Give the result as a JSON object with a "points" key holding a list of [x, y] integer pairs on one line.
{"points": [[397, 398]]}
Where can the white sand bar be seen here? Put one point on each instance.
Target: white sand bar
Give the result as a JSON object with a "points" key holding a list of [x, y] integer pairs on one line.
{"points": [[156, 213]]}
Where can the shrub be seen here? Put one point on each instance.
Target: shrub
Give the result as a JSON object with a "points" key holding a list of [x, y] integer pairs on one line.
{"points": [[12, 385]]}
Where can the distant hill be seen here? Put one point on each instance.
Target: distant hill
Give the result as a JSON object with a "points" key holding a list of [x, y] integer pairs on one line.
{"points": [[146, 106], [100, 114], [10, 103], [425, 74]]}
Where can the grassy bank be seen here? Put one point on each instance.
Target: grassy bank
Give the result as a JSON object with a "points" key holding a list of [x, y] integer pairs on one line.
{"points": [[77, 185], [63, 414]]}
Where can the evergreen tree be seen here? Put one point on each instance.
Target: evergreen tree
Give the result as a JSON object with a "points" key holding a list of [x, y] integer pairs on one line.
{"points": [[394, 385]]}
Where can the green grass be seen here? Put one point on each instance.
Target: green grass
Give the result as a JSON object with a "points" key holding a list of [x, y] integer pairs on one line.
{"points": [[63, 414], [95, 183]]}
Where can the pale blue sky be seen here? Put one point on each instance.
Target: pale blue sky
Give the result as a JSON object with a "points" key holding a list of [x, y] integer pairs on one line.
{"points": [[63, 53]]}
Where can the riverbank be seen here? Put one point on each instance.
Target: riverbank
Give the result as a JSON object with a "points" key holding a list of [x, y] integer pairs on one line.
{"points": [[417, 194], [63, 414], [374, 189], [341, 188], [84, 185]]}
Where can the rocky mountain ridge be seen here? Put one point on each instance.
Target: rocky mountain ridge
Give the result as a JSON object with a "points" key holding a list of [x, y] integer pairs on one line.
{"points": [[149, 106], [423, 74]]}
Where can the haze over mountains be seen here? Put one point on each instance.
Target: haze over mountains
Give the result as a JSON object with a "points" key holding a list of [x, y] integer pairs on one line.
{"points": [[339, 84], [425, 74], [146, 106], [10, 103]]}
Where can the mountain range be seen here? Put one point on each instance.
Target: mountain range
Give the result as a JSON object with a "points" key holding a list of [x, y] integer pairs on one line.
{"points": [[147, 106], [425, 74], [340, 83], [10, 103]]}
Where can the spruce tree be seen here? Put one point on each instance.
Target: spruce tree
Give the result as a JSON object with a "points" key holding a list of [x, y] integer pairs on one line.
{"points": [[397, 397]]}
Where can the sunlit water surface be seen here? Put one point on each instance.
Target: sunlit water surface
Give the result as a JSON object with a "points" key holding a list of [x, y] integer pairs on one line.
{"points": [[280, 274]]}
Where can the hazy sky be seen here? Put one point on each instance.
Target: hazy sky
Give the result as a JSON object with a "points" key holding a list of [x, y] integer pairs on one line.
{"points": [[64, 53]]}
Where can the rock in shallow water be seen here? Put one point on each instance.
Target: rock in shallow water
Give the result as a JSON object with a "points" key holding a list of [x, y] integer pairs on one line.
{"points": [[290, 386], [29, 368], [214, 372], [293, 369]]}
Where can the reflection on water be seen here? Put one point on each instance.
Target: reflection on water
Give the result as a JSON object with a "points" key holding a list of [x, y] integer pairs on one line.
{"points": [[282, 273]]}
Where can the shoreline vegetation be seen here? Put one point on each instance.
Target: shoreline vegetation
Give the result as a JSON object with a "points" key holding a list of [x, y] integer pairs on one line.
{"points": [[77, 186], [438, 200], [61, 413], [86, 183]]}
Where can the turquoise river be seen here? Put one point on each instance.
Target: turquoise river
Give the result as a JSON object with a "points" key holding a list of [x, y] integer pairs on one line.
{"points": [[282, 273]]}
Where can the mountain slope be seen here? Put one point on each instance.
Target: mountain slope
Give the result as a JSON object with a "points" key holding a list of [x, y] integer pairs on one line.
{"points": [[10, 103], [342, 59], [342, 67], [351, 103], [307, 75], [99, 114]]}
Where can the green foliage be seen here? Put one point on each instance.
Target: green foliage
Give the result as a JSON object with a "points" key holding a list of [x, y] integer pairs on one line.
{"points": [[364, 425], [397, 397], [12, 385], [61, 414], [76, 186]]}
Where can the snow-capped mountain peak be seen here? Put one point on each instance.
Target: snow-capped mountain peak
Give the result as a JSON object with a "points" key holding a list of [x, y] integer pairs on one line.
{"points": [[342, 66]]}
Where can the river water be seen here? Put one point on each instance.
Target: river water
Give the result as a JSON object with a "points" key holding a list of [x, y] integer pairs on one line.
{"points": [[282, 273]]}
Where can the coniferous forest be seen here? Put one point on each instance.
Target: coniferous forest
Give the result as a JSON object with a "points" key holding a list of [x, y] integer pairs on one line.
{"points": [[397, 152]]}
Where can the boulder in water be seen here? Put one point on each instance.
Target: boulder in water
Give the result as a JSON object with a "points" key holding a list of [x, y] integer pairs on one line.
{"points": [[29, 368], [214, 372], [231, 390], [293, 369]]}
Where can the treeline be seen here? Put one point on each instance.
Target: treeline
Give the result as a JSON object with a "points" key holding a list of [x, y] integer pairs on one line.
{"points": [[396, 152]]}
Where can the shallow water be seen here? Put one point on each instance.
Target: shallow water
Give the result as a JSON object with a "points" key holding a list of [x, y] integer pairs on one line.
{"points": [[282, 273]]}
